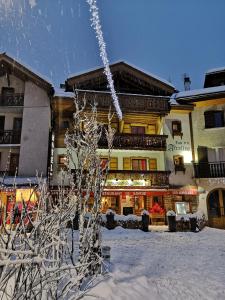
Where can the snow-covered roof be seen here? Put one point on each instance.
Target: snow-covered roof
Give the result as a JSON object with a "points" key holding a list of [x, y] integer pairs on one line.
{"points": [[127, 63], [199, 92], [62, 93], [173, 100], [26, 66], [215, 70]]}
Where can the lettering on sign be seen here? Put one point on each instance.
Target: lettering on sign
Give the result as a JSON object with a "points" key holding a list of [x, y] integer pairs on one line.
{"points": [[179, 146]]}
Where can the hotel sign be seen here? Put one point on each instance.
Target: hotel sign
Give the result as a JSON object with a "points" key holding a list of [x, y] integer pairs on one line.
{"points": [[179, 146]]}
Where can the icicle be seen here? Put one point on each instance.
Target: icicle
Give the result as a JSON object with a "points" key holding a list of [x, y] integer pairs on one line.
{"points": [[102, 46]]}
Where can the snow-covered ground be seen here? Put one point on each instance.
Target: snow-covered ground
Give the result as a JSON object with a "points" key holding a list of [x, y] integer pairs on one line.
{"points": [[163, 265]]}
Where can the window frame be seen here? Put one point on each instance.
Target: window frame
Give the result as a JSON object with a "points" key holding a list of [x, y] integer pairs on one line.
{"points": [[178, 166], [60, 164], [139, 160], [210, 119], [187, 207], [178, 131]]}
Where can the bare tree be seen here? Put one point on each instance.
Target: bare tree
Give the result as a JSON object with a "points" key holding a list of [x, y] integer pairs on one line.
{"points": [[43, 256]]}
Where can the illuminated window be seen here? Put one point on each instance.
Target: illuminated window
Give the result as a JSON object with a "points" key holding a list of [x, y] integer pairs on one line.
{"points": [[62, 161], [178, 163], [113, 164], [139, 164], [182, 208], [176, 128]]}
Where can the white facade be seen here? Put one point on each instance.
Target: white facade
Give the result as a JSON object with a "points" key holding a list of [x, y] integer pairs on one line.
{"points": [[25, 120], [179, 145]]}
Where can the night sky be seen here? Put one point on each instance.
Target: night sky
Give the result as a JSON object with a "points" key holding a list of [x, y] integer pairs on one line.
{"points": [[165, 37]]}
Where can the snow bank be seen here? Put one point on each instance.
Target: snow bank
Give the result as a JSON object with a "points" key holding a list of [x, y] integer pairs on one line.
{"points": [[121, 217], [199, 215], [162, 266]]}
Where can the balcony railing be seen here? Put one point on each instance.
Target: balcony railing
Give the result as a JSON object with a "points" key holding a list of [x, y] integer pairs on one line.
{"points": [[12, 100], [128, 102], [152, 178], [133, 141], [10, 137], [156, 179], [209, 169]]}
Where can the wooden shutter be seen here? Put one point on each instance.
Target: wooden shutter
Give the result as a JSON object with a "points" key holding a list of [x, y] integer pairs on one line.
{"points": [[152, 164], [115, 126], [126, 163], [126, 128], [151, 129], [113, 163]]}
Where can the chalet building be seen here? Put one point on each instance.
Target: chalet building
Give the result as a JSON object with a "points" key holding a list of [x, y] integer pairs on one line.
{"points": [[151, 159], [25, 116], [208, 143]]}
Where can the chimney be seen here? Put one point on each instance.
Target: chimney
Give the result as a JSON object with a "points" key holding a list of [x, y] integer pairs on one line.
{"points": [[187, 82]]}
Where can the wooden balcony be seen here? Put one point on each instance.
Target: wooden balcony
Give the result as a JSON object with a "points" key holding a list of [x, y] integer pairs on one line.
{"points": [[209, 170], [12, 100], [134, 141], [128, 102], [10, 137], [152, 178]]}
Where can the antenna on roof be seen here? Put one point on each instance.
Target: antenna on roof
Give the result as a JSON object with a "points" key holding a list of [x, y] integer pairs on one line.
{"points": [[187, 82]]}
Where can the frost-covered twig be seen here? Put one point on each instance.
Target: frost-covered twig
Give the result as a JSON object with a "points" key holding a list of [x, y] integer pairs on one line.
{"points": [[42, 254]]}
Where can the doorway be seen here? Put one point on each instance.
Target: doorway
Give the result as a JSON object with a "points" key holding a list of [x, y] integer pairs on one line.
{"points": [[215, 206]]}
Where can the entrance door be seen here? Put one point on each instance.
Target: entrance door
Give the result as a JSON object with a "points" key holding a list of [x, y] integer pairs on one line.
{"points": [[216, 203], [14, 163]]}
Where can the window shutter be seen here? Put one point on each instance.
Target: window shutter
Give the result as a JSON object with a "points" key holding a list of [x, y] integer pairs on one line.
{"points": [[126, 128], [152, 164], [113, 163], [126, 163], [151, 129]]}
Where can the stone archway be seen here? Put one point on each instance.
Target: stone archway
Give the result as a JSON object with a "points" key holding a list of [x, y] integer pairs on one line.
{"points": [[216, 208]]}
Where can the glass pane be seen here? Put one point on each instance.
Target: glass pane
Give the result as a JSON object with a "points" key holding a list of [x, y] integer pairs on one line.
{"points": [[218, 119], [181, 208]]}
